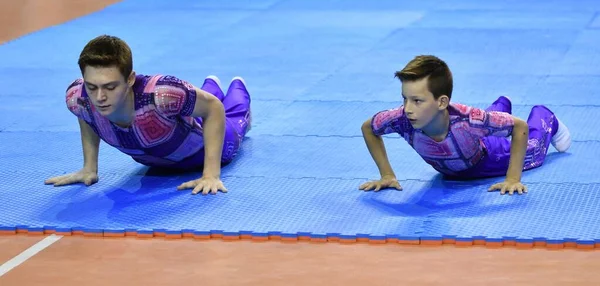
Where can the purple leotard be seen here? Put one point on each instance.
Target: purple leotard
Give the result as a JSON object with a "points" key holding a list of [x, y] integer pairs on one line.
{"points": [[477, 143], [163, 133]]}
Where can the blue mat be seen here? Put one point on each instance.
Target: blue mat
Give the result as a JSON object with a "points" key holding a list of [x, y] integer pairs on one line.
{"points": [[316, 71]]}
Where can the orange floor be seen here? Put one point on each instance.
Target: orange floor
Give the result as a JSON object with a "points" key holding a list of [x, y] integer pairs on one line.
{"points": [[129, 261]]}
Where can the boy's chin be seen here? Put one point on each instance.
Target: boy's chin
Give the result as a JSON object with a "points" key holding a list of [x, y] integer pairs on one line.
{"points": [[416, 124]]}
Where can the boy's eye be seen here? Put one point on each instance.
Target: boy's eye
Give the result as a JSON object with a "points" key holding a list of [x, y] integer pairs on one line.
{"points": [[108, 87]]}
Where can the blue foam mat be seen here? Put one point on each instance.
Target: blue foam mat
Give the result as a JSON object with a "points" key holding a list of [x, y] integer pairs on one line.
{"points": [[256, 204], [292, 118], [595, 23], [442, 5], [266, 156], [316, 70], [318, 206]]}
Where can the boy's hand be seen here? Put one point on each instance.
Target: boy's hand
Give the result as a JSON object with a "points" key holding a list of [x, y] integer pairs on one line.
{"points": [[204, 184], [510, 187], [385, 182], [83, 176]]}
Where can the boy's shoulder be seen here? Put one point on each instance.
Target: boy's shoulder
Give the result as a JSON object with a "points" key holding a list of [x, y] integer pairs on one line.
{"points": [[77, 100], [162, 85], [172, 95], [480, 117], [474, 115], [76, 84], [461, 109], [75, 90], [467, 111]]}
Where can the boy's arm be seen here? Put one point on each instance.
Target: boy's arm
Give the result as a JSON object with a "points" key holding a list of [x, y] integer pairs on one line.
{"points": [[187, 100], [90, 141], [377, 150], [181, 98], [212, 112], [518, 147]]}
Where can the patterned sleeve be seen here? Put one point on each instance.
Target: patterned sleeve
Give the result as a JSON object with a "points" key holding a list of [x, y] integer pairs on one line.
{"points": [[387, 121], [492, 123], [73, 98], [174, 96]]}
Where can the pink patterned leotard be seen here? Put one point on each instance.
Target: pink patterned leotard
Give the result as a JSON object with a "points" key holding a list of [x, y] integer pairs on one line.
{"points": [[163, 132], [462, 149]]}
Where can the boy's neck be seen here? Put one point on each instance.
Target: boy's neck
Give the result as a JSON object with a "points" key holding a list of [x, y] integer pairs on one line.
{"points": [[125, 116], [437, 129]]}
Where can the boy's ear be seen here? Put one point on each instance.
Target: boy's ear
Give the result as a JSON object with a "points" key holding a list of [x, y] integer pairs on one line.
{"points": [[443, 102], [131, 78]]}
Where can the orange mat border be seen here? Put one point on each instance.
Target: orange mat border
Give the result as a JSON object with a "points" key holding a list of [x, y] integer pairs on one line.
{"points": [[505, 243]]}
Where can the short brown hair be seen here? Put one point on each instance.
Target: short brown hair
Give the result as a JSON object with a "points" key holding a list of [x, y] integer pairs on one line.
{"points": [[439, 76], [106, 51]]}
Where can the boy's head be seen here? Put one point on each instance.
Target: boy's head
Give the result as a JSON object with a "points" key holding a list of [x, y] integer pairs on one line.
{"points": [[426, 88], [107, 67]]}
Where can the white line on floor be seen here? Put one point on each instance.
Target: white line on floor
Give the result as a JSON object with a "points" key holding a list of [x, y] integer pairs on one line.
{"points": [[28, 253]]}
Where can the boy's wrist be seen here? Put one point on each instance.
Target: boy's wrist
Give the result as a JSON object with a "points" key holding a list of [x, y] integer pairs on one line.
{"points": [[388, 176], [90, 169], [512, 179]]}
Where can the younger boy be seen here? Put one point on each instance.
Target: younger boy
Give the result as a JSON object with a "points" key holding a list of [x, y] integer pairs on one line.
{"points": [[457, 140]]}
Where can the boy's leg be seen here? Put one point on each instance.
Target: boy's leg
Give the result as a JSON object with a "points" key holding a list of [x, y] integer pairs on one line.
{"points": [[544, 129], [497, 148], [212, 84], [496, 161], [543, 125], [237, 105], [237, 117], [502, 104]]}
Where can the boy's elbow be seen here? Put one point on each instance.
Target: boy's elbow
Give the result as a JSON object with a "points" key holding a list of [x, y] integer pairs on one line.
{"points": [[209, 107], [366, 126], [521, 127]]}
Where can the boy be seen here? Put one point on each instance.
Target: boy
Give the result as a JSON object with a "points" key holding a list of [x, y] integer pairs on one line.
{"points": [[457, 140], [159, 121]]}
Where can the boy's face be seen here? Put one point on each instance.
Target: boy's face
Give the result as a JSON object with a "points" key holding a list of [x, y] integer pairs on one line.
{"points": [[419, 104], [107, 88]]}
